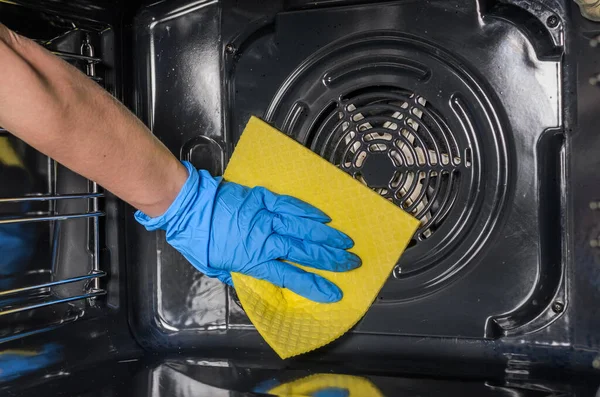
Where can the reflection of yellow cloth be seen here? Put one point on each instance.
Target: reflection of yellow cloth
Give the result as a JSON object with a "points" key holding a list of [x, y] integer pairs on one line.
{"points": [[356, 386], [8, 156], [22, 353], [290, 324]]}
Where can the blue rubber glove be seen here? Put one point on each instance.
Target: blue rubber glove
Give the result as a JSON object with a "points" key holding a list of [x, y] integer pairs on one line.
{"points": [[222, 227]]}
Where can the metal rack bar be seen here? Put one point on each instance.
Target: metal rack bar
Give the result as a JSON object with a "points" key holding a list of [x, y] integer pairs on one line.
{"points": [[91, 294], [95, 240], [94, 230], [88, 61], [76, 57], [87, 49], [52, 171], [44, 218], [91, 276], [47, 197], [20, 335]]}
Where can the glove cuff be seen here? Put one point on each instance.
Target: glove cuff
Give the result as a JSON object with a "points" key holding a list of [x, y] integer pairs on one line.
{"points": [[199, 188]]}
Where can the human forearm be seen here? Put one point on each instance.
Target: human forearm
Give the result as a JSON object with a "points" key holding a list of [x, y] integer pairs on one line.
{"points": [[220, 227], [59, 111]]}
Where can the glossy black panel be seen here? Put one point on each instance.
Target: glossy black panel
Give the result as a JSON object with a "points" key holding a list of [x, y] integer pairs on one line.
{"points": [[500, 156], [464, 127]]}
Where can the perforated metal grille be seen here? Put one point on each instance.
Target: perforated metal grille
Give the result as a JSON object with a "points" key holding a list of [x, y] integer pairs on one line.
{"points": [[393, 141], [405, 118]]}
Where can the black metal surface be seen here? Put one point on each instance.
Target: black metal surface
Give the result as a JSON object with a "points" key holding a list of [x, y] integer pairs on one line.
{"points": [[491, 263], [46, 344], [454, 254], [479, 117]]}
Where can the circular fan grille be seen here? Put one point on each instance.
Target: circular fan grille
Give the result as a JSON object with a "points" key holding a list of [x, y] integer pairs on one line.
{"points": [[408, 120], [394, 142]]}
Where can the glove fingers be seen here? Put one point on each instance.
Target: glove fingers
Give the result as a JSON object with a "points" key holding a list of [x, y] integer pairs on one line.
{"points": [[308, 285], [310, 230], [311, 254], [288, 205]]}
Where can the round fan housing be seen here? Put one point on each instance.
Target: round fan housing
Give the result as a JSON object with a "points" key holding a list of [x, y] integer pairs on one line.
{"points": [[411, 122]]}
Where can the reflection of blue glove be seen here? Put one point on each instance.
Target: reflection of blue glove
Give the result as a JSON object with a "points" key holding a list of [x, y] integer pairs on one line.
{"points": [[225, 227], [268, 385], [331, 392], [17, 244], [16, 363]]}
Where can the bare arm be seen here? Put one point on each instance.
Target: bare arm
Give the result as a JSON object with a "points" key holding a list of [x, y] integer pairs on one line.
{"points": [[56, 109], [221, 228]]}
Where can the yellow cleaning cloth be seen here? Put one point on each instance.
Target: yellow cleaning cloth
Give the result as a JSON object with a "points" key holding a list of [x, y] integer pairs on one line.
{"points": [[290, 324], [356, 386]]}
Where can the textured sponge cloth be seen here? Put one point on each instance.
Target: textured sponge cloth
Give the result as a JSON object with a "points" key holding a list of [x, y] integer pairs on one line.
{"points": [[290, 324]]}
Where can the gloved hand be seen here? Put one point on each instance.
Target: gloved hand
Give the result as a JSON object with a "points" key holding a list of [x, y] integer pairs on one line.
{"points": [[222, 227]]}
